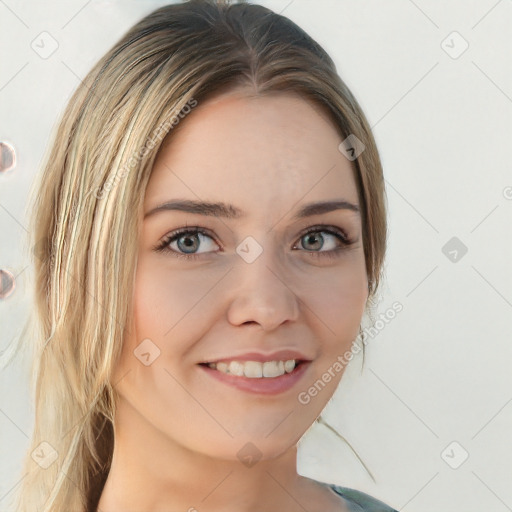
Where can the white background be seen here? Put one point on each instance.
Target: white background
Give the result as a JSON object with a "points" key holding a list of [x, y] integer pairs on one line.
{"points": [[440, 371]]}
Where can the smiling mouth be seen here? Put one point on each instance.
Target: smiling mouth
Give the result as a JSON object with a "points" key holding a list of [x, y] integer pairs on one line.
{"points": [[256, 369]]}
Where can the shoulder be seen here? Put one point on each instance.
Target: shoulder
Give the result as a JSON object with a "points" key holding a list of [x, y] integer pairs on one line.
{"points": [[365, 502]]}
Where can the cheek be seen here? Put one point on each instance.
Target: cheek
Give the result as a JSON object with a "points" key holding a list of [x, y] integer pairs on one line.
{"points": [[167, 298], [157, 299], [339, 299], [174, 309]]}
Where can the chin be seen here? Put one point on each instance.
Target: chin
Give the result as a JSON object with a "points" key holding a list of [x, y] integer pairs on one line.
{"points": [[249, 449]]}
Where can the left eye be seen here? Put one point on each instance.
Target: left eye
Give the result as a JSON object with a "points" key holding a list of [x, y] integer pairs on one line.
{"points": [[187, 241], [316, 239]]}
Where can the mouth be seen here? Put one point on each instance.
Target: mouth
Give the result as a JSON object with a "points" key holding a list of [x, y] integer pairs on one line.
{"points": [[256, 369], [258, 377]]}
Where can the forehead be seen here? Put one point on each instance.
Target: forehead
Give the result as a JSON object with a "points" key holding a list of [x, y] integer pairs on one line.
{"points": [[264, 153]]}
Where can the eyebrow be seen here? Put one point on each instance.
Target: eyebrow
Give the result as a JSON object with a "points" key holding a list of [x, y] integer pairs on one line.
{"points": [[232, 212]]}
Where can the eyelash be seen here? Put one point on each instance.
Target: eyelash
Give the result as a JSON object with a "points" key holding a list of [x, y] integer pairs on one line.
{"points": [[162, 246]]}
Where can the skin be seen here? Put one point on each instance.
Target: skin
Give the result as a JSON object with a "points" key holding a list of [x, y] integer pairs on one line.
{"points": [[177, 429]]}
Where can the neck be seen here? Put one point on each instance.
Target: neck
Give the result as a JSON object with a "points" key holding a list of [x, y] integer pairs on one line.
{"points": [[152, 473]]}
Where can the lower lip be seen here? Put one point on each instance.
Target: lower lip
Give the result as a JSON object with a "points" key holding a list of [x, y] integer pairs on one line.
{"points": [[264, 385]]}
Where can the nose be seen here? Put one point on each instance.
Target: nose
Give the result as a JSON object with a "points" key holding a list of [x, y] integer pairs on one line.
{"points": [[262, 294]]}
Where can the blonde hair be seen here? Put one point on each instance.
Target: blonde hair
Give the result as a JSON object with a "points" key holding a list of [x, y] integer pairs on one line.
{"points": [[85, 216]]}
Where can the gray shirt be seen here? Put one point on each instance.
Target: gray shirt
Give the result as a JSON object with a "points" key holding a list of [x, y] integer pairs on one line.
{"points": [[361, 502]]}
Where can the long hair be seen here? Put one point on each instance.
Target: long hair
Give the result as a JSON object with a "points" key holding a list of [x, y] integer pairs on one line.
{"points": [[86, 211]]}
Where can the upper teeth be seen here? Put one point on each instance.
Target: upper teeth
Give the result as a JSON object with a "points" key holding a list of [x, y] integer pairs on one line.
{"points": [[255, 369]]}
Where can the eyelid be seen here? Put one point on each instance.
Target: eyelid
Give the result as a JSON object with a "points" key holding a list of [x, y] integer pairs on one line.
{"points": [[338, 232], [162, 245], [326, 228]]}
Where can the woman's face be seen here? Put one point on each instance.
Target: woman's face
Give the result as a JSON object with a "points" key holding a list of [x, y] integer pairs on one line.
{"points": [[251, 286]]}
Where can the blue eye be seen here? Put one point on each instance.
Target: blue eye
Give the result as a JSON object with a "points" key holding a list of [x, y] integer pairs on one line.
{"points": [[187, 241], [314, 236]]}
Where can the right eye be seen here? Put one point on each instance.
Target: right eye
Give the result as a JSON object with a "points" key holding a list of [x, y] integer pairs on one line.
{"points": [[185, 240]]}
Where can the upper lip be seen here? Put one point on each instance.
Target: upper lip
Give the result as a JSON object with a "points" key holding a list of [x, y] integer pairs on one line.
{"points": [[279, 355]]}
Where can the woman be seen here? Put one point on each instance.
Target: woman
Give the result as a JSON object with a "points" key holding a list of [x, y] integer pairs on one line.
{"points": [[210, 228]]}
